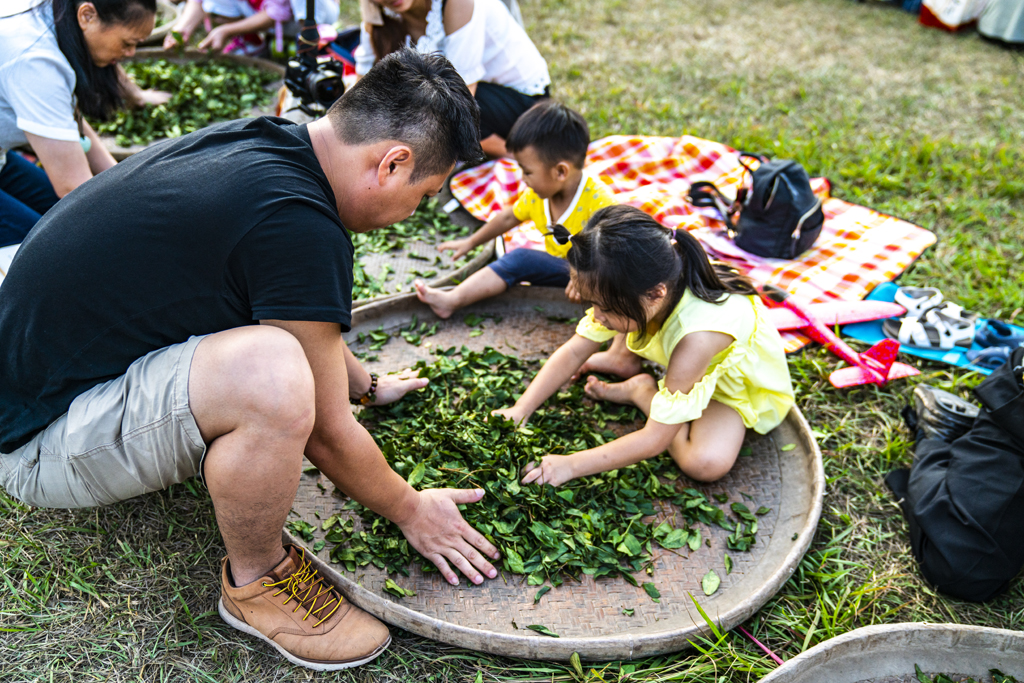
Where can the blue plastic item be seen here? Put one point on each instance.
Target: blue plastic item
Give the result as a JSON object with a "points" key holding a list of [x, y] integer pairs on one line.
{"points": [[998, 333], [871, 333], [990, 358]]}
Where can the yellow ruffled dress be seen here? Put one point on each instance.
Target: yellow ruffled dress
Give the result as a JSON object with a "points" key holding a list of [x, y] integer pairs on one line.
{"points": [[750, 375]]}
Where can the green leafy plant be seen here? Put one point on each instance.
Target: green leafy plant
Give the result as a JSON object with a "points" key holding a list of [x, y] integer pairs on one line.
{"points": [[428, 225], [201, 93], [997, 677], [445, 436]]}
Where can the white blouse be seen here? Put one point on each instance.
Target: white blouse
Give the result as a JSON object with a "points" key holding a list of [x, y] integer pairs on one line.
{"points": [[491, 47], [37, 84]]}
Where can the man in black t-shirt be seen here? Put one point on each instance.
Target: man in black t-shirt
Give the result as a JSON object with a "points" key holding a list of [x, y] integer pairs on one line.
{"points": [[182, 313]]}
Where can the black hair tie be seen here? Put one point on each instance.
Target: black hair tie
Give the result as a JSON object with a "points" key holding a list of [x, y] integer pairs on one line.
{"points": [[560, 234]]}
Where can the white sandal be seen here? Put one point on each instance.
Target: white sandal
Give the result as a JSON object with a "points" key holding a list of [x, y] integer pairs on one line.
{"points": [[937, 331], [920, 300], [917, 300]]}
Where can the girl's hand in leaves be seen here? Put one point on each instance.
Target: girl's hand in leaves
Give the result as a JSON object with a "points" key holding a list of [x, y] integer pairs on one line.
{"points": [[460, 247], [552, 469], [511, 414], [216, 39], [177, 38]]}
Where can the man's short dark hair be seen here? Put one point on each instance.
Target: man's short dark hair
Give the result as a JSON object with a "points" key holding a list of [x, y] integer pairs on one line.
{"points": [[419, 100], [557, 132]]}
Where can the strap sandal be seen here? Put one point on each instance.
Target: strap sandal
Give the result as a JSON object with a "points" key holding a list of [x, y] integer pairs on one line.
{"points": [[952, 310], [917, 300], [938, 332], [990, 358], [998, 333]]}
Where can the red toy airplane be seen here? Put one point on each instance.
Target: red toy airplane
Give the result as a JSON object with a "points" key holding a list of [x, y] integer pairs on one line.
{"points": [[875, 366]]}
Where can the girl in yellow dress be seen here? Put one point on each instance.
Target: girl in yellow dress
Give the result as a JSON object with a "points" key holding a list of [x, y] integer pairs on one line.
{"points": [[725, 364]]}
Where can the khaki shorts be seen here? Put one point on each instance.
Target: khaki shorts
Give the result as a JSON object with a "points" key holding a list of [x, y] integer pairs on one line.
{"points": [[129, 436]]}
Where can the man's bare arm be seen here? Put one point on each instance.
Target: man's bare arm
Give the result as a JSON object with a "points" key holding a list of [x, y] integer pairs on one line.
{"points": [[343, 450]]}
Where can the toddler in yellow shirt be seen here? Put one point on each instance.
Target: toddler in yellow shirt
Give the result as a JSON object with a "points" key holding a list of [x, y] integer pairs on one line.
{"points": [[549, 142]]}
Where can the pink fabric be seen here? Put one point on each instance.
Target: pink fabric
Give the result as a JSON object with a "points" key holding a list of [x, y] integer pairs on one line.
{"points": [[858, 248], [278, 10]]}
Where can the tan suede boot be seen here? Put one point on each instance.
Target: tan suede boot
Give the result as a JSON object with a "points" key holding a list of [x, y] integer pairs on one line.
{"points": [[297, 611]]}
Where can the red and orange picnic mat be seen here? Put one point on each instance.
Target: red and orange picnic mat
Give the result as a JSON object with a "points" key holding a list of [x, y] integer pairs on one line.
{"points": [[858, 248]]}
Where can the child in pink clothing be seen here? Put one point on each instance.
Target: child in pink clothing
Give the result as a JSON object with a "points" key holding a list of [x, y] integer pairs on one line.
{"points": [[235, 26]]}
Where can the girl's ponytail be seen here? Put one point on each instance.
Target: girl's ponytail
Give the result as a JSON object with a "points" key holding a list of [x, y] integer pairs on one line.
{"points": [[706, 280]]}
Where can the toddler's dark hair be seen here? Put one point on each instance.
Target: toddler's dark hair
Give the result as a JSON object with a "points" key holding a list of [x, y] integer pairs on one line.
{"points": [[623, 253], [557, 133]]}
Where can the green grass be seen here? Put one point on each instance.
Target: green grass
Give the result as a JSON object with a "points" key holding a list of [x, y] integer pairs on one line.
{"points": [[915, 122]]}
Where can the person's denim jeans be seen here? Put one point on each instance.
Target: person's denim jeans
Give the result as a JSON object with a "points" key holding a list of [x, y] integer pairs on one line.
{"points": [[25, 195]]}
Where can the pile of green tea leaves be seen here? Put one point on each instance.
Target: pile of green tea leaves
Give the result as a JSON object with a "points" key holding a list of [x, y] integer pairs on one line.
{"points": [[428, 225], [444, 436], [201, 93], [997, 677]]}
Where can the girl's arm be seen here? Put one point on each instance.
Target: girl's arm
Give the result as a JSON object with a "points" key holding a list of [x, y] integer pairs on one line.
{"points": [[221, 35], [186, 23], [559, 369], [688, 364], [499, 225]]}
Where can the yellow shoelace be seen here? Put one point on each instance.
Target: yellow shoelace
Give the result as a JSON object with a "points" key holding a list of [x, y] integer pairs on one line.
{"points": [[306, 574]]}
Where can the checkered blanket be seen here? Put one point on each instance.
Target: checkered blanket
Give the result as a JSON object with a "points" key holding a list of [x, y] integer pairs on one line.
{"points": [[858, 247]]}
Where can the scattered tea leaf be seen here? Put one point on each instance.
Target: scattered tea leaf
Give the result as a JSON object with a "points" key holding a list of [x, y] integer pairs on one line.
{"points": [[710, 582], [543, 630], [396, 590], [577, 665], [788, 447], [728, 564], [653, 591], [628, 611], [540, 594], [302, 529]]}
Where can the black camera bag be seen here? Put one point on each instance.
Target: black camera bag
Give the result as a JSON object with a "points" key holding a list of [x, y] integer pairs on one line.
{"points": [[780, 216]]}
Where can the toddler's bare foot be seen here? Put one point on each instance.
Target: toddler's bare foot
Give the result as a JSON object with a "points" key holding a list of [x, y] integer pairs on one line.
{"points": [[619, 392], [437, 299], [624, 365]]}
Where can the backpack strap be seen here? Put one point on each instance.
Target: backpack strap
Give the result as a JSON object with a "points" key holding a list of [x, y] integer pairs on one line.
{"points": [[705, 194]]}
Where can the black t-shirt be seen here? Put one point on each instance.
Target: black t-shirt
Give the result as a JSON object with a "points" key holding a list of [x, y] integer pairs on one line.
{"points": [[218, 229]]}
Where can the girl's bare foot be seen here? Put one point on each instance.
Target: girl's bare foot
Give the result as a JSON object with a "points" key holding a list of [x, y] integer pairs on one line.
{"points": [[437, 299], [624, 365], [620, 392]]}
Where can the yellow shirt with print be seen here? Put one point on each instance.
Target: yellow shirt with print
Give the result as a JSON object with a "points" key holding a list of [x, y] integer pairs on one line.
{"points": [[591, 195]]}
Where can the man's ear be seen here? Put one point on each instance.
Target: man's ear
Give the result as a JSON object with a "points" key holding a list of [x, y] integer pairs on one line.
{"points": [[396, 164]]}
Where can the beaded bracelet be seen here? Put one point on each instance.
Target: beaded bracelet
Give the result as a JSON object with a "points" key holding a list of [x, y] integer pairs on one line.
{"points": [[371, 394]]}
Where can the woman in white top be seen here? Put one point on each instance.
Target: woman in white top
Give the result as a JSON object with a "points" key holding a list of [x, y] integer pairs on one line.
{"points": [[488, 48], [58, 64]]}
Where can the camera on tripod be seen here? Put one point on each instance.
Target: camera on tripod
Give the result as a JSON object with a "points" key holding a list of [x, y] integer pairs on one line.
{"points": [[316, 84]]}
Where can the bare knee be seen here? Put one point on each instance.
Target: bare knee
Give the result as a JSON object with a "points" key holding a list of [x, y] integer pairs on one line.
{"points": [[702, 464], [257, 375]]}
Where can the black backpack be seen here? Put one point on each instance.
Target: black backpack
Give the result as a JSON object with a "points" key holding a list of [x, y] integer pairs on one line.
{"points": [[780, 216]]}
